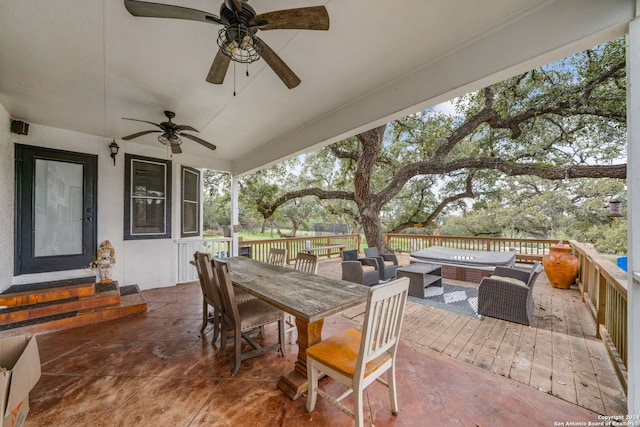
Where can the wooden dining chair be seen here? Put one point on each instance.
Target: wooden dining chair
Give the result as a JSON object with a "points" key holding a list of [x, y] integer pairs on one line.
{"points": [[277, 256], [309, 264], [306, 262], [211, 293], [358, 359], [243, 319]]}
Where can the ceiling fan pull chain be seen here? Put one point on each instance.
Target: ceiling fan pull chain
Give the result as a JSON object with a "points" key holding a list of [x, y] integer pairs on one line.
{"points": [[247, 70], [234, 78]]}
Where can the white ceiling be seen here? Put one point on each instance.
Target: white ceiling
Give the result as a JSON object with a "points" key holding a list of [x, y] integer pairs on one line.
{"points": [[82, 65]]}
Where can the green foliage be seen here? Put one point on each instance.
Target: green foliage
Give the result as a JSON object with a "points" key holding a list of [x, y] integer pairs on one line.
{"points": [[608, 238], [494, 167]]}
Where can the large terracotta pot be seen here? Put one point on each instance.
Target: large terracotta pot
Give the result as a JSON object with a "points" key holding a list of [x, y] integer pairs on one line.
{"points": [[560, 266]]}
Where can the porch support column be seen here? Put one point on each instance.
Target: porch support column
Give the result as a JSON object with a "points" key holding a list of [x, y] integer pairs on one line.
{"points": [[234, 214], [633, 212]]}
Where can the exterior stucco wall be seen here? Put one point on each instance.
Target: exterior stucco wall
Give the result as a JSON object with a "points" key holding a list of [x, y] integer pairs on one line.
{"points": [[147, 263]]}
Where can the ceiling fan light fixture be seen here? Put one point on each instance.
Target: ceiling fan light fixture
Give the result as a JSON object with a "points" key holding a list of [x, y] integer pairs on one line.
{"points": [[238, 43], [170, 140]]}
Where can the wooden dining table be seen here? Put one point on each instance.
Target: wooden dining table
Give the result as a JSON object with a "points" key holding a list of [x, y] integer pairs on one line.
{"points": [[309, 297]]}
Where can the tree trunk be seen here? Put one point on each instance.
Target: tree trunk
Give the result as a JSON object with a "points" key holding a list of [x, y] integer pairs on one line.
{"points": [[373, 230], [368, 203]]}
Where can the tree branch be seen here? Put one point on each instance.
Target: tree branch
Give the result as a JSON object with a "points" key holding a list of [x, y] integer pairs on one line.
{"points": [[317, 192], [467, 193]]}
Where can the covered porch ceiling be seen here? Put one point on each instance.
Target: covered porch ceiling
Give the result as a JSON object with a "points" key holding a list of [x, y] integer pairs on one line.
{"points": [[82, 65]]}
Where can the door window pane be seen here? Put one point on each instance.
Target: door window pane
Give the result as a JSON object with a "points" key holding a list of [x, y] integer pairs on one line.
{"points": [[58, 200]]}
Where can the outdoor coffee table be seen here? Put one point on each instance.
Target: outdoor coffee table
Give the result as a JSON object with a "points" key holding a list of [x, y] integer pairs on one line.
{"points": [[421, 275]]}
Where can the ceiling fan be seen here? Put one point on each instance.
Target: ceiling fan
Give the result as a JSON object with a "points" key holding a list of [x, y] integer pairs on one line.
{"points": [[171, 133], [237, 39]]}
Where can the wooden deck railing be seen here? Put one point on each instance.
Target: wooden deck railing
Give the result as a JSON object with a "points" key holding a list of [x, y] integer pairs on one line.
{"points": [[293, 245], [218, 247], [527, 250], [604, 289]]}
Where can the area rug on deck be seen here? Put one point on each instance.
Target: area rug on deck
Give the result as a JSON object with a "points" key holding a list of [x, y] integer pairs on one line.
{"points": [[461, 300]]}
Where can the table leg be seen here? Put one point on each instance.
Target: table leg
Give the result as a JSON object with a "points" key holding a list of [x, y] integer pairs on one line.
{"points": [[294, 383]]}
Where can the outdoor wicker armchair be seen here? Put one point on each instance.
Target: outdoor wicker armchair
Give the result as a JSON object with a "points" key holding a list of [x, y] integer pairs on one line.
{"points": [[359, 270], [387, 263], [508, 294]]}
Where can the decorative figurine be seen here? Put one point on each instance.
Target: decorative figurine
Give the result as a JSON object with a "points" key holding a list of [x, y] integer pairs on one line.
{"points": [[104, 262]]}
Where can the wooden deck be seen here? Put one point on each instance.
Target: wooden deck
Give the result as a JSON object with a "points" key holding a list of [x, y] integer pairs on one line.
{"points": [[559, 353]]}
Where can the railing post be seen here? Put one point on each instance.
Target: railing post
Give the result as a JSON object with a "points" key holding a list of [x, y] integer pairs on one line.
{"points": [[602, 302]]}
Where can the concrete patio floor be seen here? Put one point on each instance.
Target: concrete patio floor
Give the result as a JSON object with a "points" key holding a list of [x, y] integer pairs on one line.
{"points": [[156, 369]]}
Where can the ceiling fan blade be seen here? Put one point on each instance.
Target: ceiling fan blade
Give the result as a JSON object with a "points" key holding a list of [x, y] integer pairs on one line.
{"points": [[175, 149], [199, 141], [157, 10], [303, 18], [219, 68], [135, 135], [144, 121], [276, 63], [186, 127]]}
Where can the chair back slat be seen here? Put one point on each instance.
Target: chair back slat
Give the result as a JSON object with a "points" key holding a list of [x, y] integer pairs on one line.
{"points": [[230, 313], [307, 263], [198, 266], [209, 281], [277, 256], [383, 321]]}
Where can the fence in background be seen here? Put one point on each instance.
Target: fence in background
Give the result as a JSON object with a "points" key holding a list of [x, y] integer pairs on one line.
{"points": [[322, 245], [527, 250]]}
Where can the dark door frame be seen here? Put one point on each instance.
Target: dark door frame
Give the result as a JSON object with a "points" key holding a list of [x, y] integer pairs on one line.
{"points": [[24, 260]]}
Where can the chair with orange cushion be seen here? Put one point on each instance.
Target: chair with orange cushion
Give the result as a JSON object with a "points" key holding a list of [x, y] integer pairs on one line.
{"points": [[358, 359]]}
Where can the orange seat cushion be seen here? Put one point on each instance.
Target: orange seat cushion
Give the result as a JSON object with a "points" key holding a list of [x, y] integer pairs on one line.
{"points": [[340, 352]]}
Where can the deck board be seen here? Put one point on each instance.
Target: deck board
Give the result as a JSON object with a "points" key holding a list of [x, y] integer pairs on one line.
{"points": [[507, 350], [462, 338], [473, 347], [522, 364], [449, 334], [558, 354], [490, 346]]}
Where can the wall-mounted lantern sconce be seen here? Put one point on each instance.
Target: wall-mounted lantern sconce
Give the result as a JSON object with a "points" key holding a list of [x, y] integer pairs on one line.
{"points": [[615, 208], [114, 150]]}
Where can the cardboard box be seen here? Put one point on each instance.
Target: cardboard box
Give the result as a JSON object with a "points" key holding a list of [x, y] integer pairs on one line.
{"points": [[20, 364]]}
